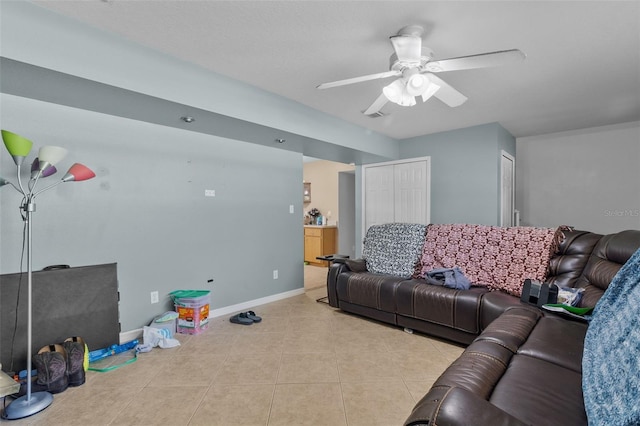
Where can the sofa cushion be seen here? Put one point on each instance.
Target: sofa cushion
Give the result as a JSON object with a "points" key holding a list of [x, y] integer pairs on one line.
{"points": [[498, 257], [606, 259], [558, 341], [371, 290], [610, 363], [457, 309], [394, 248], [540, 393]]}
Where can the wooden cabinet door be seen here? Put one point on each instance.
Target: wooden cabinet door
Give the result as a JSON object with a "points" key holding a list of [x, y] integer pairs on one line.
{"points": [[312, 248]]}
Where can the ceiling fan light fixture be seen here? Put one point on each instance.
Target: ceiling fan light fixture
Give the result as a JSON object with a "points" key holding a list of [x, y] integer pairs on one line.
{"points": [[417, 84], [394, 91], [407, 100]]}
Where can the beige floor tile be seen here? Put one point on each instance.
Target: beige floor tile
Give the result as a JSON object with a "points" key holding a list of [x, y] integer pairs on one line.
{"points": [[189, 370], [269, 324], [310, 324], [310, 309], [226, 405], [209, 343], [167, 405], [138, 374], [341, 321], [377, 403], [418, 389], [420, 366], [87, 405], [315, 277], [400, 341], [366, 366], [307, 404], [309, 342], [249, 368], [359, 341], [253, 344], [308, 368]]}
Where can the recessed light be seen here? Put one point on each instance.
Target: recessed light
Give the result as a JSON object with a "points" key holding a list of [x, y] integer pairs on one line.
{"points": [[281, 140], [187, 119]]}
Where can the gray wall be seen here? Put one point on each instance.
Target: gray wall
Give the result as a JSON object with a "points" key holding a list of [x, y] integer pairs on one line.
{"points": [[347, 218], [146, 208], [589, 178], [465, 168]]}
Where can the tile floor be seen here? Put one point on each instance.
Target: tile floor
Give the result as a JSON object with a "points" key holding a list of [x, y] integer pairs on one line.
{"points": [[304, 364]]}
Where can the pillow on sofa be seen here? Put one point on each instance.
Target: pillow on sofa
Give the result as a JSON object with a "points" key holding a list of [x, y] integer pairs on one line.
{"points": [[610, 361], [394, 248]]}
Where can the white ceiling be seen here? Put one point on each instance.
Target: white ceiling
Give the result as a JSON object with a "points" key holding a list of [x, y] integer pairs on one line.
{"points": [[582, 67]]}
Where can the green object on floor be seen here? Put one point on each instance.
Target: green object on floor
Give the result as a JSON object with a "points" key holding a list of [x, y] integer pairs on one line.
{"points": [[116, 366]]}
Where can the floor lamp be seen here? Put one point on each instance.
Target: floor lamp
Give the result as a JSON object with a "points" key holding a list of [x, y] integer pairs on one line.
{"points": [[43, 166]]}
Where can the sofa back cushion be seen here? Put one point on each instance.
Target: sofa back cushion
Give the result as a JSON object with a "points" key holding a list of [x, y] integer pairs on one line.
{"points": [[610, 253], [500, 258], [394, 248], [567, 264]]}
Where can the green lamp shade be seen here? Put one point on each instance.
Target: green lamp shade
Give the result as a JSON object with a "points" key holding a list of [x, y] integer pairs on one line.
{"points": [[78, 172], [16, 144]]}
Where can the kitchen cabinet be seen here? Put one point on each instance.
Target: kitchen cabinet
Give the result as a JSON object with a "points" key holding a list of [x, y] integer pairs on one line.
{"points": [[319, 241]]}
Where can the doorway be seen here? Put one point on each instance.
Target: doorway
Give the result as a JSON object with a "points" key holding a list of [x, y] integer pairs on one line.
{"points": [[507, 189]]}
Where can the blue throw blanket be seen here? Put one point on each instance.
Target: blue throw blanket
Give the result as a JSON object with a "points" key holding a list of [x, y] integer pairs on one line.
{"points": [[611, 359]]}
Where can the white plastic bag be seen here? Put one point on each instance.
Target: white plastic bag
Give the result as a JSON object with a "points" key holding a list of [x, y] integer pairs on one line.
{"points": [[158, 337]]}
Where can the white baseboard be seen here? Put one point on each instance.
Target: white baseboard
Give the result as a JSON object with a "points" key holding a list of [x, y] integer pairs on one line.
{"points": [[130, 335]]}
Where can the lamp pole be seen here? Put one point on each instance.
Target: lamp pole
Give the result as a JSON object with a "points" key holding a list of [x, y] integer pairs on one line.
{"points": [[19, 147], [31, 403]]}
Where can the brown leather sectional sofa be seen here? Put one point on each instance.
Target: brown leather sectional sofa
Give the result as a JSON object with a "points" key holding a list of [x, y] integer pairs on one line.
{"points": [[522, 366]]}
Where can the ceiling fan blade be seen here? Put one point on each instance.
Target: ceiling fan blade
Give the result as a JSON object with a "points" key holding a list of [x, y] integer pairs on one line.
{"points": [[482, 60], [377, 105], [446, 93], [408, 48], [359, 79]]}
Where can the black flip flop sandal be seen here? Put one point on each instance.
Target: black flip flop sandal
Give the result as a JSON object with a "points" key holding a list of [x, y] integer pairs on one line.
{"points": [[252, 316], [241, 319]]}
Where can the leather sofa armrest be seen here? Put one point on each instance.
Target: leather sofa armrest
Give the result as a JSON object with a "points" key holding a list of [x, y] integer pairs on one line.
{"points": [[332, 279], [444, 406]]}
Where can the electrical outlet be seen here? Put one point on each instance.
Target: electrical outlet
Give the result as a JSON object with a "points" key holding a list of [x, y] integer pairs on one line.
{"points": [[154, 297], [275, 274], [209, 192]]}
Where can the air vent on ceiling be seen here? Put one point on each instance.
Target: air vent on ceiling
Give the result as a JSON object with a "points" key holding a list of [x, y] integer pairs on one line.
{"points": [[376, 114]]}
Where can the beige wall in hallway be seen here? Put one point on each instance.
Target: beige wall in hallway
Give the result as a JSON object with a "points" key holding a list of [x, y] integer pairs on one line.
{"points": [[323, 177]]}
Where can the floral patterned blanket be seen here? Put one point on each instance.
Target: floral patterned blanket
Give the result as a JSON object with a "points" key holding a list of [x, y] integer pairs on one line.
{"points": [[492, 256]]}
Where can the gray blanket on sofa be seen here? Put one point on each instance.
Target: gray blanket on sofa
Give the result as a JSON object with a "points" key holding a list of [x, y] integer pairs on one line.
{"points": [[611, 359]]}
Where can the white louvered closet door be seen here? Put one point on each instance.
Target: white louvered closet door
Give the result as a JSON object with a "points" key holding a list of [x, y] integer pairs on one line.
{"points": [[396, 192]]}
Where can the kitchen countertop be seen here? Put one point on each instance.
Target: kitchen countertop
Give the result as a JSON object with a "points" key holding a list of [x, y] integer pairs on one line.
{"points": [[320, 226]]}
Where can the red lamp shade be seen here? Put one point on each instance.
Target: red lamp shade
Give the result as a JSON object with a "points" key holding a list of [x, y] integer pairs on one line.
{"points": [[78, 172]]}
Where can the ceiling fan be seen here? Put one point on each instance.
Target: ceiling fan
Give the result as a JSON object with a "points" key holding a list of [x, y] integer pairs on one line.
{"points": [[415, 68]]}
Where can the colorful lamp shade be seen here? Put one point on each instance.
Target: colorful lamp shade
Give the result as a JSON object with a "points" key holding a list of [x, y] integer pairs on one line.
{"points": [[17, 146], [35, 169], [78, 172], [50, 156]]}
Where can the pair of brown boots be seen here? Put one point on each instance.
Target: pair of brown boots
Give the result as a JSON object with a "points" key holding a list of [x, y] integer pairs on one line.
{"points": [[59, 366]]}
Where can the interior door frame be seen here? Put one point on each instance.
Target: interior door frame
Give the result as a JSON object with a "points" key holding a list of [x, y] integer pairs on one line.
{"points": [[504, 155]]}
